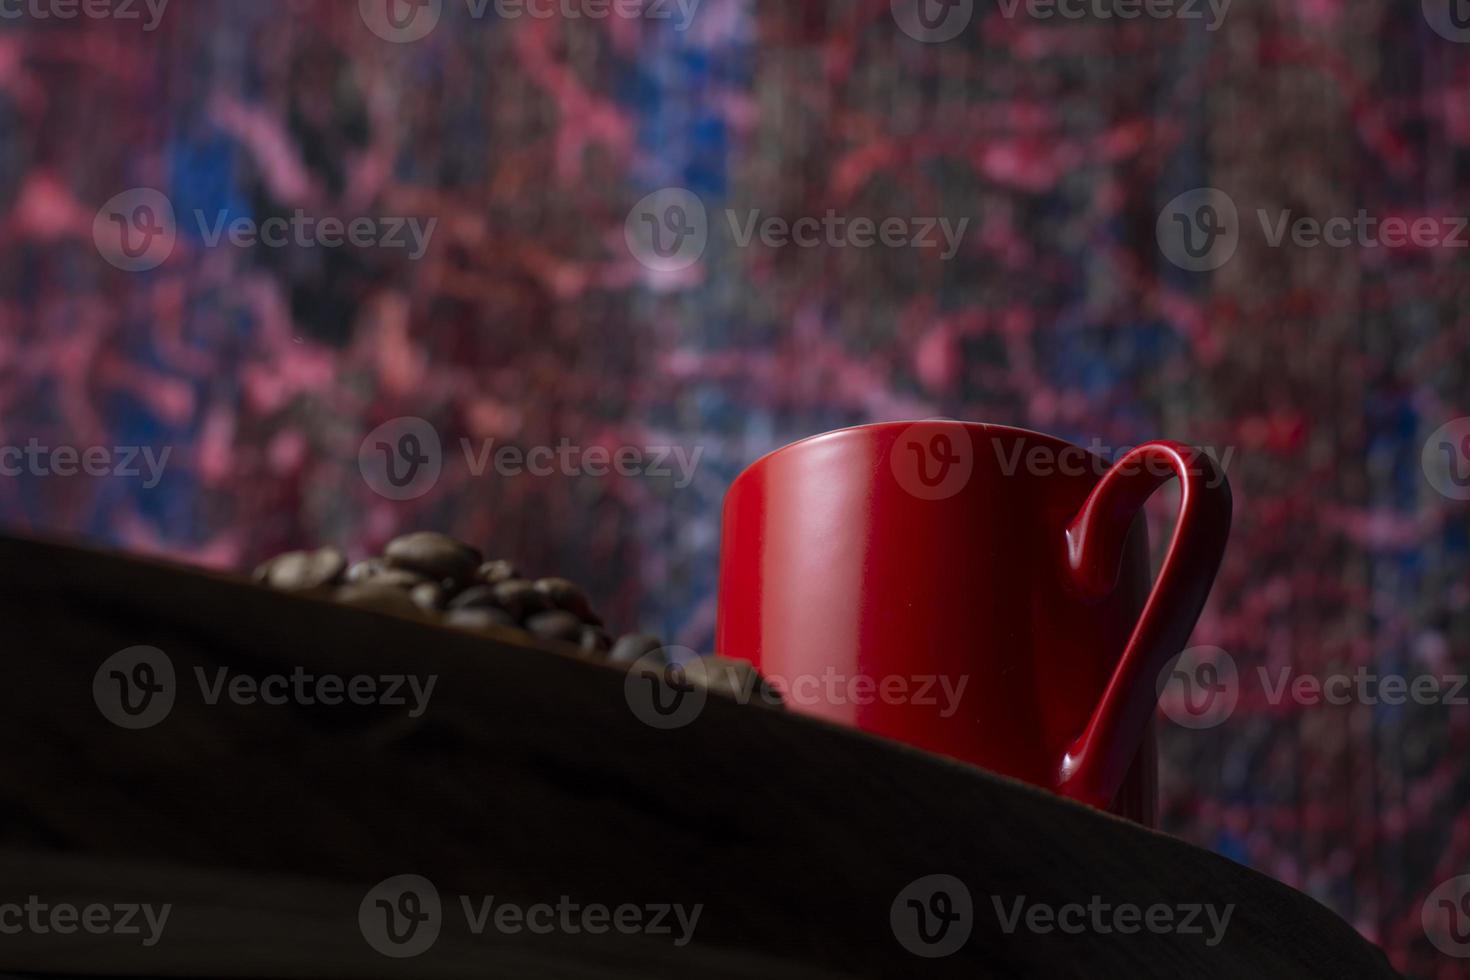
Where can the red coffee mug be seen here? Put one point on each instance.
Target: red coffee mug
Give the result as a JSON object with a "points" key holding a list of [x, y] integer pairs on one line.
{"points": [[975, 590]]}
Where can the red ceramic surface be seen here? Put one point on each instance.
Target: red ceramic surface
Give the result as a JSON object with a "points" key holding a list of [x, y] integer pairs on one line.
{"points": [[974, 590]]}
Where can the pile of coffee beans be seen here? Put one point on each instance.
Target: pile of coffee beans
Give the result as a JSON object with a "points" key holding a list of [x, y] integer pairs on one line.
{"points": [[432, 576]]}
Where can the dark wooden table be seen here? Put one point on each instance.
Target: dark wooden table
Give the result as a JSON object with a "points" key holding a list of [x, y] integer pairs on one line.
{"points": [[530, 779]]}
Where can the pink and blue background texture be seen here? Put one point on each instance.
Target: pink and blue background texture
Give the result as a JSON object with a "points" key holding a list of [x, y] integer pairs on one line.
{"points": [[529, 321]]}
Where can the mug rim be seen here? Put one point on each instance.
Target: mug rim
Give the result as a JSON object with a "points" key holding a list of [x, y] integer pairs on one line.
{"points": [[761, 460]]}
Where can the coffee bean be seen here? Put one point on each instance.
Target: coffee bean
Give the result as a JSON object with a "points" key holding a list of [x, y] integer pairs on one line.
{"points": [[363, 570], [520, 598], [398, 578], [433, 555], [427, 575], [633, 646], [480, 617], [594, 641], [379, 598], [475, 597], [495, 572], [563, 594], [558, 624], [297, 571]]}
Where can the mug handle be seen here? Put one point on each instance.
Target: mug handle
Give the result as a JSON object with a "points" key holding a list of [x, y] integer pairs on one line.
{"points": [[1094, 765]]}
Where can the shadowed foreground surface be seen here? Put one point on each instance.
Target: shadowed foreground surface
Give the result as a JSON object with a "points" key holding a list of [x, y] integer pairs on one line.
{"points": [[528, 778]]}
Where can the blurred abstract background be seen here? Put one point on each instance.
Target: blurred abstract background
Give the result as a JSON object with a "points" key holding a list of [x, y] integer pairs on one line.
{"points": [[532, 319]]}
